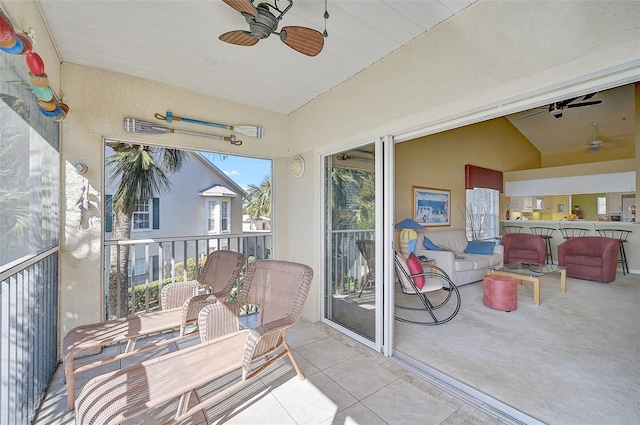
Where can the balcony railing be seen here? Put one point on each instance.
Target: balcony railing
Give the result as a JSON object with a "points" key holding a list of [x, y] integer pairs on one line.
{"points": [[153, 263], [348, 268], [28, 337]]}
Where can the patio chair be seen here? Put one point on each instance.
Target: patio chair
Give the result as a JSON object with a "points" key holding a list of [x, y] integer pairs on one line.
{"points": [[220, 273], [434, 280], [278, 288], [368, 250]]}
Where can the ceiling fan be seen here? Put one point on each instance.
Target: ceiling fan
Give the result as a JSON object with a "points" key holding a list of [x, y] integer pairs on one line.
{"points": [[596, 145], [556, 109], [263, 23]]}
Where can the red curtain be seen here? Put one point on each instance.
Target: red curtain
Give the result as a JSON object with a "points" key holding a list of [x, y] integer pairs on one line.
{"points": [[483, 178]]}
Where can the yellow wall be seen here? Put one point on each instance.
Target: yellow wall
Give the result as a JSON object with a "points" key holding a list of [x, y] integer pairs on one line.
{"points": [[438, 161]]}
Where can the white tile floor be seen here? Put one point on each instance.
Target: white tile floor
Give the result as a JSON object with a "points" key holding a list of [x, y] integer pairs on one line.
{"points": [[346, 383]]}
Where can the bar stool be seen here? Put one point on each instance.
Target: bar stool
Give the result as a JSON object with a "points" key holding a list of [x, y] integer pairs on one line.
{"points": [[573, 232], [621, 236], [511, 229], [545, 233]]}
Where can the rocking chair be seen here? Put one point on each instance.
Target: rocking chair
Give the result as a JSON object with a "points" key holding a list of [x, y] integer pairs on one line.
{"points": [[435, 280], [368, 250]]}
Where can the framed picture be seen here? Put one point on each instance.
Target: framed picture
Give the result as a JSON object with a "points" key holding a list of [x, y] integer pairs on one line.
{"points": [[431, 207]]}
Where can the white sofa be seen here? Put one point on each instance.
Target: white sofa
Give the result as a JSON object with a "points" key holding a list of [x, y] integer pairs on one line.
{"points": [[466, 269]]}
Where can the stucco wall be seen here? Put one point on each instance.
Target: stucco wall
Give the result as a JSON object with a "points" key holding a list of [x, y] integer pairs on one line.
{"points": [[100, 101], [492, 54]]}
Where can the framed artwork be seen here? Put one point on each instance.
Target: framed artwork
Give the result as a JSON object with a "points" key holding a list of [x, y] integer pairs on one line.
{"points": [[431, 207]]}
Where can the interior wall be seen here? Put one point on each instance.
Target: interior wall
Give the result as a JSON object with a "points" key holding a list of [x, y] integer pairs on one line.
{"points": [[438, 161]]}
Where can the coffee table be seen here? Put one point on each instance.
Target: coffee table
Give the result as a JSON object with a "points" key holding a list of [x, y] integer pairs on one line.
{"points": [[531, 272]]}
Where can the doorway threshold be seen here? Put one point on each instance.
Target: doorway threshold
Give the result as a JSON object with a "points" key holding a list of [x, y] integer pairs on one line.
{"points": [[479, 400]]}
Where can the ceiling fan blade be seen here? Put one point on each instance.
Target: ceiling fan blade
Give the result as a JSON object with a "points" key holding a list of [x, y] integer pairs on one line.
{"points": [[531, 115], [242, 6], [589, 96], [577, 105], [565, 102], [304, 40], [240, 38]]}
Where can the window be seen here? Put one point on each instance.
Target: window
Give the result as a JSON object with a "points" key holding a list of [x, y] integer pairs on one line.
{"points": [[211, 221], [141, 219], [602, 204], [224, 217], [482, 213]]}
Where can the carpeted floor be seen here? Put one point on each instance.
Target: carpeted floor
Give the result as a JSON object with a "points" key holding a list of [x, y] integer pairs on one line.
{"points": [[574, 359]]}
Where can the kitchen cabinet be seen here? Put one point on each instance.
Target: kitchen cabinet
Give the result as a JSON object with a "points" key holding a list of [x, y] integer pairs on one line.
{"points": [[527, 203], [614, 202]]}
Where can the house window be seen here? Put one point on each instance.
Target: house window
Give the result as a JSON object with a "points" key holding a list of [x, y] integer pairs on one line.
{"points": [[211, 225], [602, 204], [482, 213], [224, 217], [142, 216]]}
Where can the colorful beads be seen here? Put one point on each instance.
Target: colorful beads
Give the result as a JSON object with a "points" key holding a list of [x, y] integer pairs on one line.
{"points": [[20, 44]]}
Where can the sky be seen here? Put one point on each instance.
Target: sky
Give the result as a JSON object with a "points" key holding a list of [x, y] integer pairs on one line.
{"points": [[241, 169]]}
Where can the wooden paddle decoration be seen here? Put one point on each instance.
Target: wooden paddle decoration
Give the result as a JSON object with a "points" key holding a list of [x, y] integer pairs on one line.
{"points": [[249, 130], [132, 125]]}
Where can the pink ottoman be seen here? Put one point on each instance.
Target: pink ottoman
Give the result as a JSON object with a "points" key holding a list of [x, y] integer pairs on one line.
{"points": [[500, 292]]}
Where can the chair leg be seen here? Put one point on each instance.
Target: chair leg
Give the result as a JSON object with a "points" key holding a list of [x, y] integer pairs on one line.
{"points": [[623, 259], [366, 284]]}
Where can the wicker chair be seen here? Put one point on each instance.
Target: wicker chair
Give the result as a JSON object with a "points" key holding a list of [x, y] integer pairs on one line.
{"points": [[180, 307], [368, 250], [278, 288]]}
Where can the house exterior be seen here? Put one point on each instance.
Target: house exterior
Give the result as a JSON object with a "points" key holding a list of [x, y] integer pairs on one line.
{"points": [[210, 203], [478, 65]]}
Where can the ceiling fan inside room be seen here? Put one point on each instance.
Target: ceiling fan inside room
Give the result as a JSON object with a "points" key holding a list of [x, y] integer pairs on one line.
{"points": [[556, 109], [597, 145], [262, 23]]}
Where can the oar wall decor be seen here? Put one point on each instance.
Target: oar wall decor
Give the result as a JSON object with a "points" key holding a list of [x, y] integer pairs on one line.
{"points": [[132, 125], [249, 130]]}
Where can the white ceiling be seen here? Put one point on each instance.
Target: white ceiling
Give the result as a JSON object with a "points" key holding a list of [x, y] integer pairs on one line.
{"points": [[176, 42]]}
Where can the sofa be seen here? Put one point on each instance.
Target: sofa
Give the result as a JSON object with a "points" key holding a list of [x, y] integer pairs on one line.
{"points": [[524, 247], [449, 252], [590, 258]]}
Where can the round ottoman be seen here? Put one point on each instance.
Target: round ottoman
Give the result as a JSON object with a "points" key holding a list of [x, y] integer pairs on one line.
{"points": [[500, 292]]}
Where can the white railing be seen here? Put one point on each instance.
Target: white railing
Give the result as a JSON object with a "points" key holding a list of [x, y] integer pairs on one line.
{"points": [[347, 267], [156, 262]]}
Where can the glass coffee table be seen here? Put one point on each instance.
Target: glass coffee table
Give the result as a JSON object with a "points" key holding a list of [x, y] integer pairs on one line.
{"points": [[531, 272]]}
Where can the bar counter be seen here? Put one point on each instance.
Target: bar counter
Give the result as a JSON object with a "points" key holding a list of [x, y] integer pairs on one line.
{"points": [[632, 246]]}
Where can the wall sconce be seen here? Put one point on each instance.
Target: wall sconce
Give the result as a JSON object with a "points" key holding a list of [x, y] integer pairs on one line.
{"points": [[81, 167], [297, 166]]}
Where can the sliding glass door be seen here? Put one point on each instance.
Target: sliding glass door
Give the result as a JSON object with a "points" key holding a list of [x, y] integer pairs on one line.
{"points": [[352, 242]]}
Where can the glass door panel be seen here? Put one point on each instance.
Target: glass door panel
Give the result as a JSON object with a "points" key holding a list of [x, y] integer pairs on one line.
{"points": [[350, 292]]}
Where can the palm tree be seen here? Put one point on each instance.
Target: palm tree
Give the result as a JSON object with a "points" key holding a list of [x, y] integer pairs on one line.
{"points": [[259, 199], [141, 177]]}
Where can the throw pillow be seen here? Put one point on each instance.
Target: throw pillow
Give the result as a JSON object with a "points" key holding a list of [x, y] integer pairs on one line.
{"points": [[480, 247], [426, 242], [415, 268]]}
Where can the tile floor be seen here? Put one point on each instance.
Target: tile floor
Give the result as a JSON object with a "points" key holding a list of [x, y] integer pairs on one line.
{"points": [[346, 383]]}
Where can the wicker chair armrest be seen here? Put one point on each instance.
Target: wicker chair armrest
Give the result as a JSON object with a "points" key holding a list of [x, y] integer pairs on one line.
{"points": [[219, 319], [175, 294], [264, 339], [191, 308]]}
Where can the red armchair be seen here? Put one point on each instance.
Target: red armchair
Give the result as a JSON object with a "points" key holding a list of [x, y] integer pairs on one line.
{"points": [[590, 258], [524, 247]]}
